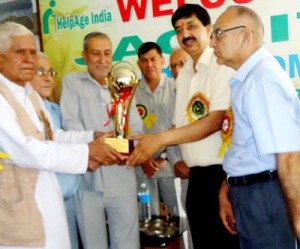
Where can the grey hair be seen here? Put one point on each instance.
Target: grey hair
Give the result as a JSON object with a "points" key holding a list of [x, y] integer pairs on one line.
{"points": [[93, 35], [42, 54], [9, 29]]}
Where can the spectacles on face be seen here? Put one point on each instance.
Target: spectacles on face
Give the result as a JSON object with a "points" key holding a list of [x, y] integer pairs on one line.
{"points": [[42, 71], [179, 64], [218, 32]]}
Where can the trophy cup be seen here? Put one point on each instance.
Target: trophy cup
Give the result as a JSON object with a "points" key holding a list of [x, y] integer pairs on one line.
{"points": [[122, 82]]}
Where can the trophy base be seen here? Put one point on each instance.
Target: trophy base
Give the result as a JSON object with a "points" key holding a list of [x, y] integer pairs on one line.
{"points": [[122, 145]]}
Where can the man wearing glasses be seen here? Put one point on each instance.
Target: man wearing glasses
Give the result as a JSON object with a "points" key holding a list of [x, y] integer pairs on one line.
{"points": [[43, 83], [178, 58], [202, 98], [262, 164]]}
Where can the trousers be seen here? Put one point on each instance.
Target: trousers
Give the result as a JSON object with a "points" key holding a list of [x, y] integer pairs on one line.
{"points": [[202, 206]]}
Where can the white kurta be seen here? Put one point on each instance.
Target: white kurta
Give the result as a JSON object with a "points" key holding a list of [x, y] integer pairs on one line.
{"points": [[48, 157]]}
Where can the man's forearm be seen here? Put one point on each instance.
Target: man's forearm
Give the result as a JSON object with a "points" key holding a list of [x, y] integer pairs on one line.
{"points": [[194, 131], [288, 166]]}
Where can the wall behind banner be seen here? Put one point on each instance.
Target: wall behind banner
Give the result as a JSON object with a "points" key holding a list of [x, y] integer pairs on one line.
{"points": [[129, 23]]}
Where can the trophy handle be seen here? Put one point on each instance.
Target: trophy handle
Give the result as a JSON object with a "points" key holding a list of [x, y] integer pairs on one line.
{"points": [[129, 104]]}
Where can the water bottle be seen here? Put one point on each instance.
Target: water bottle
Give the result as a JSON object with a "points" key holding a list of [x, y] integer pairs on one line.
{"points": [[144, 202]]}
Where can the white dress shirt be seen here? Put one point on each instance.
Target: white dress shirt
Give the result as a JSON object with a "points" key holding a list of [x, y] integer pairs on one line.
{"points": [[212, 81]]}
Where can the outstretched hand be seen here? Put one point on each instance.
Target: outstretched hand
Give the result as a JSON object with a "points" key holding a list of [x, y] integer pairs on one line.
{"points": [[102, 154], [144, 150]]}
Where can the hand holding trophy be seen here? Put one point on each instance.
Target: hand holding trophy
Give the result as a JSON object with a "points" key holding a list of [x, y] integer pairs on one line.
{"points": [[122, 82]]}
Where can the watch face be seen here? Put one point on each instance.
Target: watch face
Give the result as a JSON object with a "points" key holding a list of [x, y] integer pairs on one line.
{"points": [[163, 155]]}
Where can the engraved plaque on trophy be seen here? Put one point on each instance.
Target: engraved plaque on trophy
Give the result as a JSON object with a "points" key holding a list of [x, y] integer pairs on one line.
{"points": [[122, 81]]}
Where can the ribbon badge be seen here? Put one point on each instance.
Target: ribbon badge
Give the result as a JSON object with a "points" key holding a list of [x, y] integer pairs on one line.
{"points": [[3, 156], [198, 107], [226, 133], [148, 118]]}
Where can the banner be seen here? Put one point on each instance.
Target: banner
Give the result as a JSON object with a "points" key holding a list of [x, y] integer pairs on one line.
{"points": [[129, 23]]}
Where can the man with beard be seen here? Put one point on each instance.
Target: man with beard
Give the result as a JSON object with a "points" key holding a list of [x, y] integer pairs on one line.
{"points": [[202, 98]]}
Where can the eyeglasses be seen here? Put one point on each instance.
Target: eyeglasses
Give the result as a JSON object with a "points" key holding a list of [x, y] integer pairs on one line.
{"points": [[217, 33], [42, 71], [179, 64]]}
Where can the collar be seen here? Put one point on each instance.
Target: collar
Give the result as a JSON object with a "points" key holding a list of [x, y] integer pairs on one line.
{"points": [[50, 105], [86, 75], [161, 83], [244, 70], [204, 60], [15, 88]]}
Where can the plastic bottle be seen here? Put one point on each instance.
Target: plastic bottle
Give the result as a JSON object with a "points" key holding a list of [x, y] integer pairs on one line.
{"points": [[144, 200]]}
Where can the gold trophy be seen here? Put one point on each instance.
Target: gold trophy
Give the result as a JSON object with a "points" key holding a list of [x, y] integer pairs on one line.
{"points": [[122, 82]]}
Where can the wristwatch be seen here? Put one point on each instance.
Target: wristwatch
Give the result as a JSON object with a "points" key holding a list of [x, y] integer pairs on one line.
{"points": [[163, 155]]}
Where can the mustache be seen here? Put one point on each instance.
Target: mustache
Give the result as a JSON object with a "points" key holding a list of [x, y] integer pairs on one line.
{"points": [[184, 40]]}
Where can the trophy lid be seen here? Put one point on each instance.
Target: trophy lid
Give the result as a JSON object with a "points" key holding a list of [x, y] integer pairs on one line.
{"points": [[123, 74]]}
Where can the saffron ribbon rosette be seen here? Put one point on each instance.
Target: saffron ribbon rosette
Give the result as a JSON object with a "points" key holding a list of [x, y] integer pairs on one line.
{"points": [[3, 156], [227, 128], [148, 118], [198, 107]]}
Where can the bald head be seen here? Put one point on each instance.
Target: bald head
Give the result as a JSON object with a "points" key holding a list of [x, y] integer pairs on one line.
{"points": [[177, 59], [250, 19], [238, 33]]}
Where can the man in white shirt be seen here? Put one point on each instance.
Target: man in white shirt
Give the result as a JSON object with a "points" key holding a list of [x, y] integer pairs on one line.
{"points": [[202, 97], [31, 155]]}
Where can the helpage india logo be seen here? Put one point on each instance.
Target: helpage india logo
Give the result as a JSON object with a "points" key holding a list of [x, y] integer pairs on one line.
{"points": [[77, 18]]}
